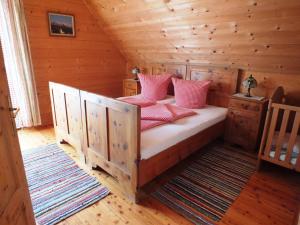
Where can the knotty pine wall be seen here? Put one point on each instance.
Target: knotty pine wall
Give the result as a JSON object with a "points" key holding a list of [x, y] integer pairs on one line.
{"points": [[89, 61], [267, 82], [257, 36]]}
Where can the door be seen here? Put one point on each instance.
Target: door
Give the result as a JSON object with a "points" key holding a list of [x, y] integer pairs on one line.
{"points": [[15, 204]]}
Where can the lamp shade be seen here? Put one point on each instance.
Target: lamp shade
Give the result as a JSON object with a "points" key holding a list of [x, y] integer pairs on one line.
{"points": [[135, 71], [250, 82]]}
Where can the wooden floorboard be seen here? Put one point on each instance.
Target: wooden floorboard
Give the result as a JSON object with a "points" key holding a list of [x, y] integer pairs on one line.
{"points": [[270, 197]]}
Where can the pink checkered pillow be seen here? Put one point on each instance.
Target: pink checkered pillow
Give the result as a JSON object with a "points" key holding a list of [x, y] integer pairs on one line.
{"points": [[148, 124], [180, 112], [190, 94], [138, 101], [154, 87], [157, 112]]}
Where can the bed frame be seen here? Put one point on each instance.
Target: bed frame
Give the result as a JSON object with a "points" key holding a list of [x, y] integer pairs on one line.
{"points": [[106, 132], [284, 118]]}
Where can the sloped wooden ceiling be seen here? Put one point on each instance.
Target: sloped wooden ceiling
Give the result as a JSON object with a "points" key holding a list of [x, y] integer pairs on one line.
{"points": [[258, 35]]}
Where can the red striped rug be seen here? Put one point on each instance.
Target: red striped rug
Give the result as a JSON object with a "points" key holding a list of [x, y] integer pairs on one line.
{"points": [[204, 190]]}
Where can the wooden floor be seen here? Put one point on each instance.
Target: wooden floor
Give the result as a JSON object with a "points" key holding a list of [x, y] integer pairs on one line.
{"points": [[270, 197]]}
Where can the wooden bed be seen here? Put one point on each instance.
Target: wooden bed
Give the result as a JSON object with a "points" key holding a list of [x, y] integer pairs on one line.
{"points": [[106, 131], [280, 134]]}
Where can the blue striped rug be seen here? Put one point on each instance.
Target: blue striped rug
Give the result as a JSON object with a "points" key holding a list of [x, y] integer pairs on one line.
{"points": [[208, 186], [58, 187]]}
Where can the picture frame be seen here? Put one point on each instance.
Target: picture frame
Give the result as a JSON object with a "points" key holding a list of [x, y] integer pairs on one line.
{"points": [[61, 24]]}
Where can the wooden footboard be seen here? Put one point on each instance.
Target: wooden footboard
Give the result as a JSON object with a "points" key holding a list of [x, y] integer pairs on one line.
{"points": [[105, 131], [66, 111], [111, 137]]}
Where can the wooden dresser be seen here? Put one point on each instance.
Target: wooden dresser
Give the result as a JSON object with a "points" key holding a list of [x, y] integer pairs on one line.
{"points": [[131, 87], [245, 121]]}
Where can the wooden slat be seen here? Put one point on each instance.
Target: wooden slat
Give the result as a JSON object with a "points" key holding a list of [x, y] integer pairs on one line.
{"points": [[292, 139], [286, 107], [282, 133], [265, 133], [271, 131]]}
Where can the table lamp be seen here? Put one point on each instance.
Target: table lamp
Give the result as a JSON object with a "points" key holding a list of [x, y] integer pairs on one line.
{"points": [[249, 83], [135, 71]]}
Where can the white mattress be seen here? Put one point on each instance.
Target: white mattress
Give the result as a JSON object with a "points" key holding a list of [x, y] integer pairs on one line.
{"points": [[295, 151], [157, 139]]}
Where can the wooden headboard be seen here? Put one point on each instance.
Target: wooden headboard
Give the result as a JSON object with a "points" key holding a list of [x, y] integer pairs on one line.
{"points": [[223, 86], [224, 79]]}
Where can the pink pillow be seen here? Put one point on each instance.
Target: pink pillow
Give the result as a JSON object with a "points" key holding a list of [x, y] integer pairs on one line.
{"points": [[154, 87], [138, 101], [190, 93], [157, 112]]}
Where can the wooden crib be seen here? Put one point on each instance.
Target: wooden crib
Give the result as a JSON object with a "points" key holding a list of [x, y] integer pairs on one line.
{"points": [[280, 142]]}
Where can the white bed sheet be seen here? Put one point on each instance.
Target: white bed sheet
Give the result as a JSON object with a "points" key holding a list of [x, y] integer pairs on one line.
{"points": [[157, 139]]}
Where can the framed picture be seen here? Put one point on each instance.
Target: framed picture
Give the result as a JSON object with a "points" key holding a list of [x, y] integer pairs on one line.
{"points": [[61, 25]]}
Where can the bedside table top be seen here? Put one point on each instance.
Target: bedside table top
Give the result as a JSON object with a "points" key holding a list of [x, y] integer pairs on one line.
{"points": [[253, 98]]}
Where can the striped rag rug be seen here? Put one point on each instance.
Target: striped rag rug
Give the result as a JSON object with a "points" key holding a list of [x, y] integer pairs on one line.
{"points": [[58, 187], [207, 187]]}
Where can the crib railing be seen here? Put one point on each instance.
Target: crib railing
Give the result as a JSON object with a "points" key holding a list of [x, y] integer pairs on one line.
{"points": [[285, 113]]}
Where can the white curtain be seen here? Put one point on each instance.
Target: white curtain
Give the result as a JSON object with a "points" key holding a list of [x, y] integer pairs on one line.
{"points": [[18, 64]]}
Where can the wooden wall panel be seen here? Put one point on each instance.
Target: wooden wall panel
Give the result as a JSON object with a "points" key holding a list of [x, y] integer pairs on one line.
{"points": [[89, 61], [256, 35]]}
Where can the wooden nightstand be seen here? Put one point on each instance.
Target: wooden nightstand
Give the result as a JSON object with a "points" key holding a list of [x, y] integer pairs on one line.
{"points": [[245, 121], [131, 87]]}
